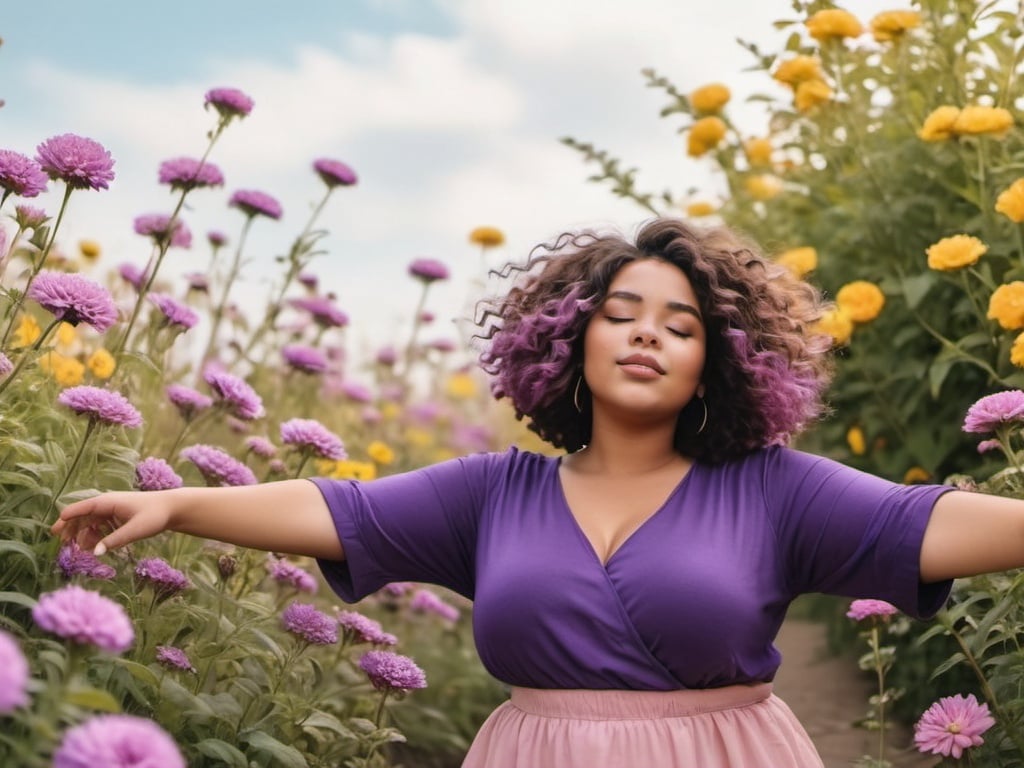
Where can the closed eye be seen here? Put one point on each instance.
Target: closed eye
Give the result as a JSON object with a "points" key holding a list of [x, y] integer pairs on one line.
{"points": [[611, 319], [680, 334]]}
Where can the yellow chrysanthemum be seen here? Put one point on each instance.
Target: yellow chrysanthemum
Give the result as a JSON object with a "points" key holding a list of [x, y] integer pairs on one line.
{"points": [[758, 151], [856, 440], [380, 452], [1011, 201], [705, 135], [1006, 306], [488, 237], [709, 99], [27, 332], [390, 411], [799, 261], [418, 438], [66, 371], [955, 252], [861, 301], [938, 126], [763, 187], [66, 335], [976, 120], [700, 208], [1017, 351], [460, 386], [90, 249], [833, 23], [916, 475], [890, 25], [353, 470], [101, 363], [810, 94], [837, 324], [799, 69]]}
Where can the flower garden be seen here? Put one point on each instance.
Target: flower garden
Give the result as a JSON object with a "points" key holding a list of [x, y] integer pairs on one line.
{"points": [[889, 172]]}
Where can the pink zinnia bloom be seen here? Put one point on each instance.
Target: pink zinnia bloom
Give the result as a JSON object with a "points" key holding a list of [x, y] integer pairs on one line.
{"points": [[387, 356], [334, 173], [862, 609], [951, 725], [308, 279], [187, 173], [988, 445], [305, 359], [29, 217], [284, 572], [217, 467], [323, 310], [392, 672], [166, 580], [80, 162], [229, 102], [187, 400], [174, 312], [121, 741], [155, 474], [311, 435], [261, 447], [100, 404], [13, 675], [85, 617], [311, 625], [20, 175], [173, 658], [428, 270], [993, 411], [74, 299], [157, 226], [132, 275], [357, 392], [235, 395], [254, 203], [216, 238], [425, 601], [73, 561]]}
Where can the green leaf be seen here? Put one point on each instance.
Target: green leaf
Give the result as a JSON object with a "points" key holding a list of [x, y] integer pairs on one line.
{"points": [[20, 548], [223, 752], [140, 672], [320, 719], [19, 598], [93, 698], [916, 288], [282, 754]]}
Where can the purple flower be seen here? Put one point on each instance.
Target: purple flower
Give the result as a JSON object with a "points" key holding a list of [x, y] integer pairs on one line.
{"points": [[187, 400], [311, 625], [13, 675], [261, 447], [311, 435], [6, 366], [951, 725], [425, 601], [361, 629], [862, 609], [72, 561], [175, 313], [166, 580], [427, 317], [229, 102], [101, 405], [82, 163], [308, 279], [442, 345], [29, 217], [155, 474], [235, 395], [121, 741], [334, 173], [74, 299], [158, 225], [323, 310], [20, 175], [389, 671], [387, 356], [216, 238], [356, 392], [254, 203], [428, 270], [217, 467], [132, 275], [305, 359], [84, 617], [284, 572], [398, 588], [173, 658], [187, 173], [993, 411], [988, 445], [197, 281]]}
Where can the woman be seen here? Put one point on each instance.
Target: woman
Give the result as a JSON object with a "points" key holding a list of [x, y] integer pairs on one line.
{"points": [[631, 589]]}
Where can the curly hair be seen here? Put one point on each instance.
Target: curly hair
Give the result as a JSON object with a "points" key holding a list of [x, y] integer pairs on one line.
{"points": [[766, 368]]}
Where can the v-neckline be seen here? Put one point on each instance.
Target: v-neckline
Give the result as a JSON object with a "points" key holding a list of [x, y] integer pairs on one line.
{"points": [[567, 507]]}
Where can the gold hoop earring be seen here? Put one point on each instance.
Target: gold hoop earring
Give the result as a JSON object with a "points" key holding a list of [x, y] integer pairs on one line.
{"points": [[576, 395], [704, 421]]}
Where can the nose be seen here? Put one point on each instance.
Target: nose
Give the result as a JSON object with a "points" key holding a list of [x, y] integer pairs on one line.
{"points": [[645, 335]]}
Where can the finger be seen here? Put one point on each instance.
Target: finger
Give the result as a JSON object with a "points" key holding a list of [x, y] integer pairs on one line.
{"points": [[131, 531]]}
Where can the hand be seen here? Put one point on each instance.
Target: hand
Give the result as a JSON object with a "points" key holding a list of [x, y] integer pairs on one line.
{"points": [[111, 520]]}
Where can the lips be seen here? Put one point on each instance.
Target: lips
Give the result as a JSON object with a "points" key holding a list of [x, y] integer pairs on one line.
{"points": [[644, 360]]}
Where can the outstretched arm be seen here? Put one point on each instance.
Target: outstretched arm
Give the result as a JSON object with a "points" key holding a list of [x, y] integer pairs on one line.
{"points": [[289, 516], [972, 533]]}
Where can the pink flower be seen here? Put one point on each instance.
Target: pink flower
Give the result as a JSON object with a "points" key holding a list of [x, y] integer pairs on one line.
{"points": [[13, 675], [229, 102], [73, 561], [361, 629], [166, 580], [155, 474], [188, 401], [284, 572], [304, 359], [174, 312], [392, 672], [80, 162], [102, 405], [235, 395], [428, 270], [158, 226], [187, 173], [309, 435], [85, 617], [334, 173], [425, 601], [29, 217], [74, 299], [862, 609], [323, 310], [951, 725], [20, 175], [251, 202], [6, 366], [261, 447], [311, 625], [216, 238], [173, 658], [217, 467], [993, 411], [124, 741]]}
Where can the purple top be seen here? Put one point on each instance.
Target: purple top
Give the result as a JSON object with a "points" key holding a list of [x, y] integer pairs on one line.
{"points": [[692, 599]]}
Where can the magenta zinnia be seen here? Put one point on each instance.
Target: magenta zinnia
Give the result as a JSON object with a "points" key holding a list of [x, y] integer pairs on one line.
{"points": [[73, 561], [132, 275], [217, 467], [951, 725], [155, 474], [862, 609], [361, 629], [425, 601], [158, 226], [993, 411], [392, 672], [173, 658], [254, 203], [334, 173], [308, 623], [20, 175], [80, 162], [13, 675], [102, 405], [237, 397], [311, 435], [175, 313], [229, 102], [29, 217], [188, 401], [118, 741], [261, 447], [305, 359], [74, 299], [284, 572], [187, 173], [165, 579], [428, 270], [323, 310], [84, 617]]}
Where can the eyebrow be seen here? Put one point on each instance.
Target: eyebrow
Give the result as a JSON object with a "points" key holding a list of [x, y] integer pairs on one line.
{"points": [[675, 306]]}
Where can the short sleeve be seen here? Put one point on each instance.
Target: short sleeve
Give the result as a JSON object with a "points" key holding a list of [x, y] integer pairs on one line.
{"points": [[850, 533], [416, 526]]}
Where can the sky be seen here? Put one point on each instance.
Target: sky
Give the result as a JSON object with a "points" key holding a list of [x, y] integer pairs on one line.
{"points": [[449, 111]]}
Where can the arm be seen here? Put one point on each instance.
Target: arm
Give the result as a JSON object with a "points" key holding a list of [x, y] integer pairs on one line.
{"points": [[972, 533], [289, 516]]}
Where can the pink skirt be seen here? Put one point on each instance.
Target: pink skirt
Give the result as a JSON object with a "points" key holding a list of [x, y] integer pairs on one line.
{"points": [[739, 726]]}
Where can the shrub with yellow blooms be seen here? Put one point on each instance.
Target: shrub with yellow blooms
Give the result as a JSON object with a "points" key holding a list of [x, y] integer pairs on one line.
{"points": [[811, 93], [709, 99], [889, 26], [955, 252], [833, 23], [705, 134], [758, 151]]}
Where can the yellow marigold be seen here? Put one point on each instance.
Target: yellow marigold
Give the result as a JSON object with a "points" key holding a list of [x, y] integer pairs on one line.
{"points": [[890, 25], [860, 300], [66, 371], [794, 71], [799, 261], [460, 386], [488, 237], [705, 135], [380, 452], [832, 23], [66, 335], [955, 252], [90, 249], [938, 126], [758, 151], [916, 475], [101, 363], [709, 99], [837, 324], [700, 208], [810, 94], [763, 187], [855, 439], [1006, 306], [1011, 201], [977, 120], [353, 470], [1017, 351], [27, 332]]}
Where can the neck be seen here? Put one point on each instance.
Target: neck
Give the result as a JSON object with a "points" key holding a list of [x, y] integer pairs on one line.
{"points": [[629, 449]]}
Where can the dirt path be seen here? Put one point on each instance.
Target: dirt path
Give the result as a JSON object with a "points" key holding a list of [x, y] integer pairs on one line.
{"points": [[828, 694]]}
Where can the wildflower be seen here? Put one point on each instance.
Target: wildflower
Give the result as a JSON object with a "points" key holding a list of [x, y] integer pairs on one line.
{"points": [[187, 173], [308, 279], [216, 238], [387, 356], [217, 467], [763, 187], [197, 281], [226, 566], [709, 99], [254, 203], [951, 725], [977, 120], [311, 435], [1006, 305], [13, 675], [20, 175], [799, 261], [66, 371], [284, 572], [938, 126], [334, 173], [90, 249], [860, 300], [166, 580], [955, 252], [758, 151], [74, 299], [323, 310], [380, 452], [101, 364], [357, 628], [862, 609], [391, 671], [187, 400], [425, 601], [235, 395], [304, 359], [72, 561], [27, 332], [84, 617], [158, 227], [80, 162], [66, 336], [810, 94], [173, 658], [28, 217], [487, 237], [991, 412], [888, 26], [699, 208], [1011, 201], [229, 102], [794, 71], [261, 447], [125, 741], [311, 625], [833, 23], [837, 324], [705, 134], [132, 275], [1017, 351], [354, 470], [855, 440], [916, 475], [101, 405], [428, 270], [155, 474], [6, 366], [989, 445], [175, 313]]}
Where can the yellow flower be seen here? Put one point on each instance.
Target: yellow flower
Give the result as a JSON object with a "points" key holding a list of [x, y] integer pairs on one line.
{"points": [[799, 261], [890, 25], [418, 438], [390, 411], [700, 208], [955, 252], [67, 371], [27, 332], [90, 249], [810, 94], [710, 99], [938, 126], [66, 335], [855, 439], [1017, 351], [794, 71], [758, 151], [1011, 201], [380, 452], [461, 386], [837, 324], [101, 363], [916, 475], [763, 187], [976, 120], [354, 470], [705, 135], [1007, 306], [860, 300], [488, 237], [833, 23]]}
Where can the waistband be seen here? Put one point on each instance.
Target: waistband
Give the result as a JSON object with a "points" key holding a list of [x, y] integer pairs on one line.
{"points": [[634, 705]]}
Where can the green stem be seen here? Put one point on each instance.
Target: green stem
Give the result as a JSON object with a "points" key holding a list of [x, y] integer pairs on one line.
{"points": [[380, 708], [27, 354], [417, 321], [218, 309], [880, 670], [74, 465]]}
